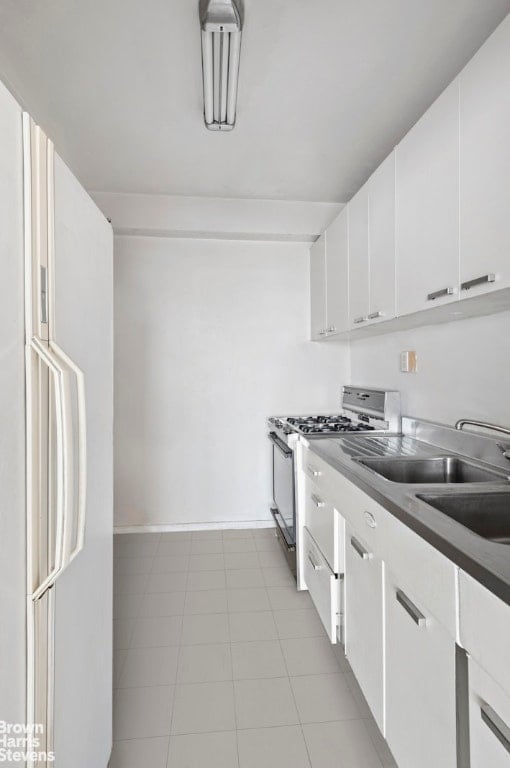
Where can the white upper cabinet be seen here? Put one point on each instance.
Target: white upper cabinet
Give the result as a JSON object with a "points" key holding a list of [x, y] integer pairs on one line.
{"points": [[485, 166], [359, 306], [318, 288], [337, 274], [381, 228], [427, 192]]}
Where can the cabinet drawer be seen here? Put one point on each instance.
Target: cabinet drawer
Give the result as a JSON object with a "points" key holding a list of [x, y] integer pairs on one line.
{"points": [[484, 628], [420, 682], [427, 573], [322, 584], [489, 721], [321, 473], [322, 522], [366, 516]]}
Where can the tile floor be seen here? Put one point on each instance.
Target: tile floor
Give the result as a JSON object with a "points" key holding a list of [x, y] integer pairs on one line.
{"points": [[220, 663]]}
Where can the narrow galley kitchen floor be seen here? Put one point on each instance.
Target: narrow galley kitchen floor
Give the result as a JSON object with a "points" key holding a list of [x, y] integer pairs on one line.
{"points": [[220, 663]]}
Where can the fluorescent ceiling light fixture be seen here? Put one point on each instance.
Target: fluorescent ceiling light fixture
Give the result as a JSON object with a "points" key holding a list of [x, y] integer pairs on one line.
{"points": [[221, 22]]}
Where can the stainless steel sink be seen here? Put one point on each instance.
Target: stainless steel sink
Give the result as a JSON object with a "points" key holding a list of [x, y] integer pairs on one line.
{"points": [[441, 469], [486, 514]]}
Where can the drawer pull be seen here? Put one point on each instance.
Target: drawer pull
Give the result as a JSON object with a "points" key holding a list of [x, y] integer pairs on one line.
{"points": [[358, 320], [318, 502], [314, 472], [370, 520], [499, 728], [360, 549], [439, 294], [410, 608], [490, 278], [375, 315], [315, 566]]}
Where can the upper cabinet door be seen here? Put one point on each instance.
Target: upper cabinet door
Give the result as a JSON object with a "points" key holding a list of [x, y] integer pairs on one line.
{"points": [[485, 166], [358, 258], [337, 274], [318, 288], [427, 192], [381, 227]]}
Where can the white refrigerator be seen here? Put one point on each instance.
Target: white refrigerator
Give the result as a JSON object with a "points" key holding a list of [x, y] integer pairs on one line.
{"points": [[56, 468]]}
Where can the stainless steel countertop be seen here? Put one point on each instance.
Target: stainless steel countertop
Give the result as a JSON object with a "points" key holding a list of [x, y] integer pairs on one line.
{"points": [[486, 561]]}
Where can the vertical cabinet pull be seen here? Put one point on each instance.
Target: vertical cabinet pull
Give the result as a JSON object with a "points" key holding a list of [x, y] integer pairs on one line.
{"points": [[315, 566], [490, 278], [360, 549], [498, 727], [314, 472], [318, 502], [410, 608]]}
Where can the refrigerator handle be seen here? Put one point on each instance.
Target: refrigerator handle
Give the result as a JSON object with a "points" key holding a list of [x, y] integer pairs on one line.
{"points": [[82, 452], [64, 456]]}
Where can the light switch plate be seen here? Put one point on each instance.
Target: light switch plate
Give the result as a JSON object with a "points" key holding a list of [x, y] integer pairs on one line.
{"points": [[408, 361]]}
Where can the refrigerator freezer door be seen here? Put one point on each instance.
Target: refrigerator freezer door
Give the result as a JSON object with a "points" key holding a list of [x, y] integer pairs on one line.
{"points": [[81, 323]]}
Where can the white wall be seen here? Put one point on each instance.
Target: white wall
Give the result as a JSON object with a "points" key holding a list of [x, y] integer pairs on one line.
{"points": [[210, 338], [463, 369]]}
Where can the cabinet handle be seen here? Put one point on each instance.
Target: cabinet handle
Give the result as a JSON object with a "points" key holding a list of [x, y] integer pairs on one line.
{"points": [[375, 315], [360, 549], [496, 724], [318, 502], [358, 320], [490, 278], [410, 608], [331, 329], [315, 566], [370, 520], [322, 332], [439, 294], [314, 472]]}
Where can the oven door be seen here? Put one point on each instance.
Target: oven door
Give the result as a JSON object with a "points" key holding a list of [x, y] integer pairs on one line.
{"points": [[283, 487]]}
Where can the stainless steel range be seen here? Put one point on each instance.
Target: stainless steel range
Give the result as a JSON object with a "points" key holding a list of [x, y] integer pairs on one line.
{"points": [[364, 411]]}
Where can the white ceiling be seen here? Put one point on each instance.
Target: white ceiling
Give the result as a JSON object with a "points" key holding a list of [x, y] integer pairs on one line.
{"points": [[327, 87]]}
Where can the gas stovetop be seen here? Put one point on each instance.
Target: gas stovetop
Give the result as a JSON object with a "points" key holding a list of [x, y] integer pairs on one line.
{"points": [[320, 425]]}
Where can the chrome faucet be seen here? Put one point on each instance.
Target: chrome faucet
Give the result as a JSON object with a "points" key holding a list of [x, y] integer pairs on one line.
{"points": [[505, 449]]}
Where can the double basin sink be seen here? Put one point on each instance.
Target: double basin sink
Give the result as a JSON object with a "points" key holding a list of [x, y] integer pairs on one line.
{"points": [[485, 513]]}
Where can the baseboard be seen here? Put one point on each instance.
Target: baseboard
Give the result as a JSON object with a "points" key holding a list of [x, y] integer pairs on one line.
{"points": [[212, 526]]}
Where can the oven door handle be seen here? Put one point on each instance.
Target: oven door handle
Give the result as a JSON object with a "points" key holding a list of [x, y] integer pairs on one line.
{"points": [[284, 448]]}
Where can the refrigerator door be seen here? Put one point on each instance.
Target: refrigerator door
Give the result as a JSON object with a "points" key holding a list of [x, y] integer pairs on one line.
{"points": [[81, 323], [12, 417]]}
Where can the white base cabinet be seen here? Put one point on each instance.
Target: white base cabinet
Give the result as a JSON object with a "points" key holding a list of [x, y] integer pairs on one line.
{"points": [[322, 584], [489, 721], [364, 620], [420, 682]]}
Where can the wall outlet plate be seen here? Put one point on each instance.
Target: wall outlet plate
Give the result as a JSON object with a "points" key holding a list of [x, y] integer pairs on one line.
{"points": [[408, 361]]}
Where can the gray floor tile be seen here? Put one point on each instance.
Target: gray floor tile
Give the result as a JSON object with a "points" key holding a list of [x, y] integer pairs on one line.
{"points": [[278, 577], [207, 535], [162, 604], [309, 656], [128, 545], [236, 560], [205, 580], [173, 548], [170, 564], [288, 598], [243, 578], [272, 559], [175, 536], [320, 698], [122, 633], [150, 666], [247, 600], [262, 658], [119, 658], [203, 750], [213, 562], [167, 582], [206, 601], [270, 531], [140, 753], [265, 702], [201, 629], [358, 695], [207, 546], [237, 533], [130, 583], [301, 623], [201, 707], [205, 663], [157, 631], [126, 606], [380, 744], [282, 747], [342, 744], [257, 625], [142, 712], [267, 544], [239, 545], [133, 565]]}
